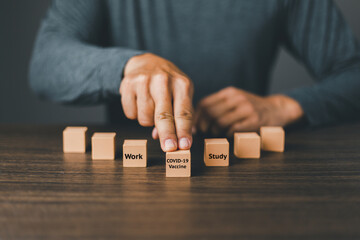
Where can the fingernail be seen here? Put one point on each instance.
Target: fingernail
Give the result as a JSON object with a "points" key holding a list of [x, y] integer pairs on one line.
{"points": [[170, 144], [184, 143]]}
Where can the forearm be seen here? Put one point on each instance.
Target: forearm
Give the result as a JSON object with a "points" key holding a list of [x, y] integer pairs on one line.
{"points": [[68, 63], [334, 99], [69, 71], [318, 35]]}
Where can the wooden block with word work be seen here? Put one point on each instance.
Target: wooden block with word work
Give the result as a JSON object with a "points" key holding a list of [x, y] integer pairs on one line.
{"points": [[103, 146], [216, 152], [178, 163], [75, 139], [135, 153], [272, 139], [247, 145]]}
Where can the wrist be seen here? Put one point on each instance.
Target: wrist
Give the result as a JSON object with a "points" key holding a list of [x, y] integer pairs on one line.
{"points": [[134, 62], [288, 109]]}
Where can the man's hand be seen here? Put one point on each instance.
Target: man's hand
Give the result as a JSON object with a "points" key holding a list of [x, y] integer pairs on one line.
{"points": [[234, 110], [155, 92]]}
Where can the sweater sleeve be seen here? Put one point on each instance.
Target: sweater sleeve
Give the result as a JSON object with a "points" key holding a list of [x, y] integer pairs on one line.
{"points": [[70, 61], [318, 36]]}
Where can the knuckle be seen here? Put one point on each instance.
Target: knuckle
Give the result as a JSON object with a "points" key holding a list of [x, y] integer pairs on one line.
{"points": [[246, 107], [185, 83], [130, 115], [161, 77], [128, 110], [126, 80], [147, 101], [241, 97], [142, 78], [185, 115], [146, 115], [228, 100], [164, 116], [146, 122], [231, 90], [124, 85]]}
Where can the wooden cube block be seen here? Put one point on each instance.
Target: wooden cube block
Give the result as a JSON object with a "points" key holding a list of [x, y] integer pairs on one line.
{"points": [[247, 145], [103, 146], [272, 139], [178, 163], [74, 139], [135, 153], [216, 152]]}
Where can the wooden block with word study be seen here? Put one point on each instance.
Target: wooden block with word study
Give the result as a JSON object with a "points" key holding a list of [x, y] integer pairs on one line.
{"points": [[216, 152], [103, 146], [178, 163], [272, 139], [246, 145], [135, 153], [75, 139]]}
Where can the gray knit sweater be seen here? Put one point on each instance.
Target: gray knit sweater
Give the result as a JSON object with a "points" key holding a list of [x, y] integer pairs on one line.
{"points": [[83, 46]]}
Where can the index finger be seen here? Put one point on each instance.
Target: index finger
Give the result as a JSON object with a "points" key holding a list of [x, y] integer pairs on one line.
{"points": [[163, 115], [183, 112]]}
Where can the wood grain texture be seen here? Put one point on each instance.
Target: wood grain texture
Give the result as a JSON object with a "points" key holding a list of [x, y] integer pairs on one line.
{"points": [[311, 191]]}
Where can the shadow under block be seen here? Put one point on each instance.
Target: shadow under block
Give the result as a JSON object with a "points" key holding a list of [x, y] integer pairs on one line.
{"points": [[103, 146], [178, 163], [135, 153], [247, 145], [74, 139], [216, 152], [272, 139]]}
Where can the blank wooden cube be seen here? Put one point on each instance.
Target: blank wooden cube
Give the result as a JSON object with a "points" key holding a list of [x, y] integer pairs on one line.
{"points": [[216, 152], [74, 139], [247, 145], [178, 163], [272, 139], [103, 146], [135, 153]]}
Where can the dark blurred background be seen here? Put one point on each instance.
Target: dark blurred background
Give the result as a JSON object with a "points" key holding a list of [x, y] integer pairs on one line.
{"points": [[19, 21]]}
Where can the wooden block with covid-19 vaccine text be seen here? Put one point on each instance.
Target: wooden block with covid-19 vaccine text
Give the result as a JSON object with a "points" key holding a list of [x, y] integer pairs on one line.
{"points": [[178, 163]]}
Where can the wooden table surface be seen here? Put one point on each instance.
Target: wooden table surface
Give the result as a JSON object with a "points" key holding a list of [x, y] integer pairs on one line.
{"points": [[312, 191]]}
